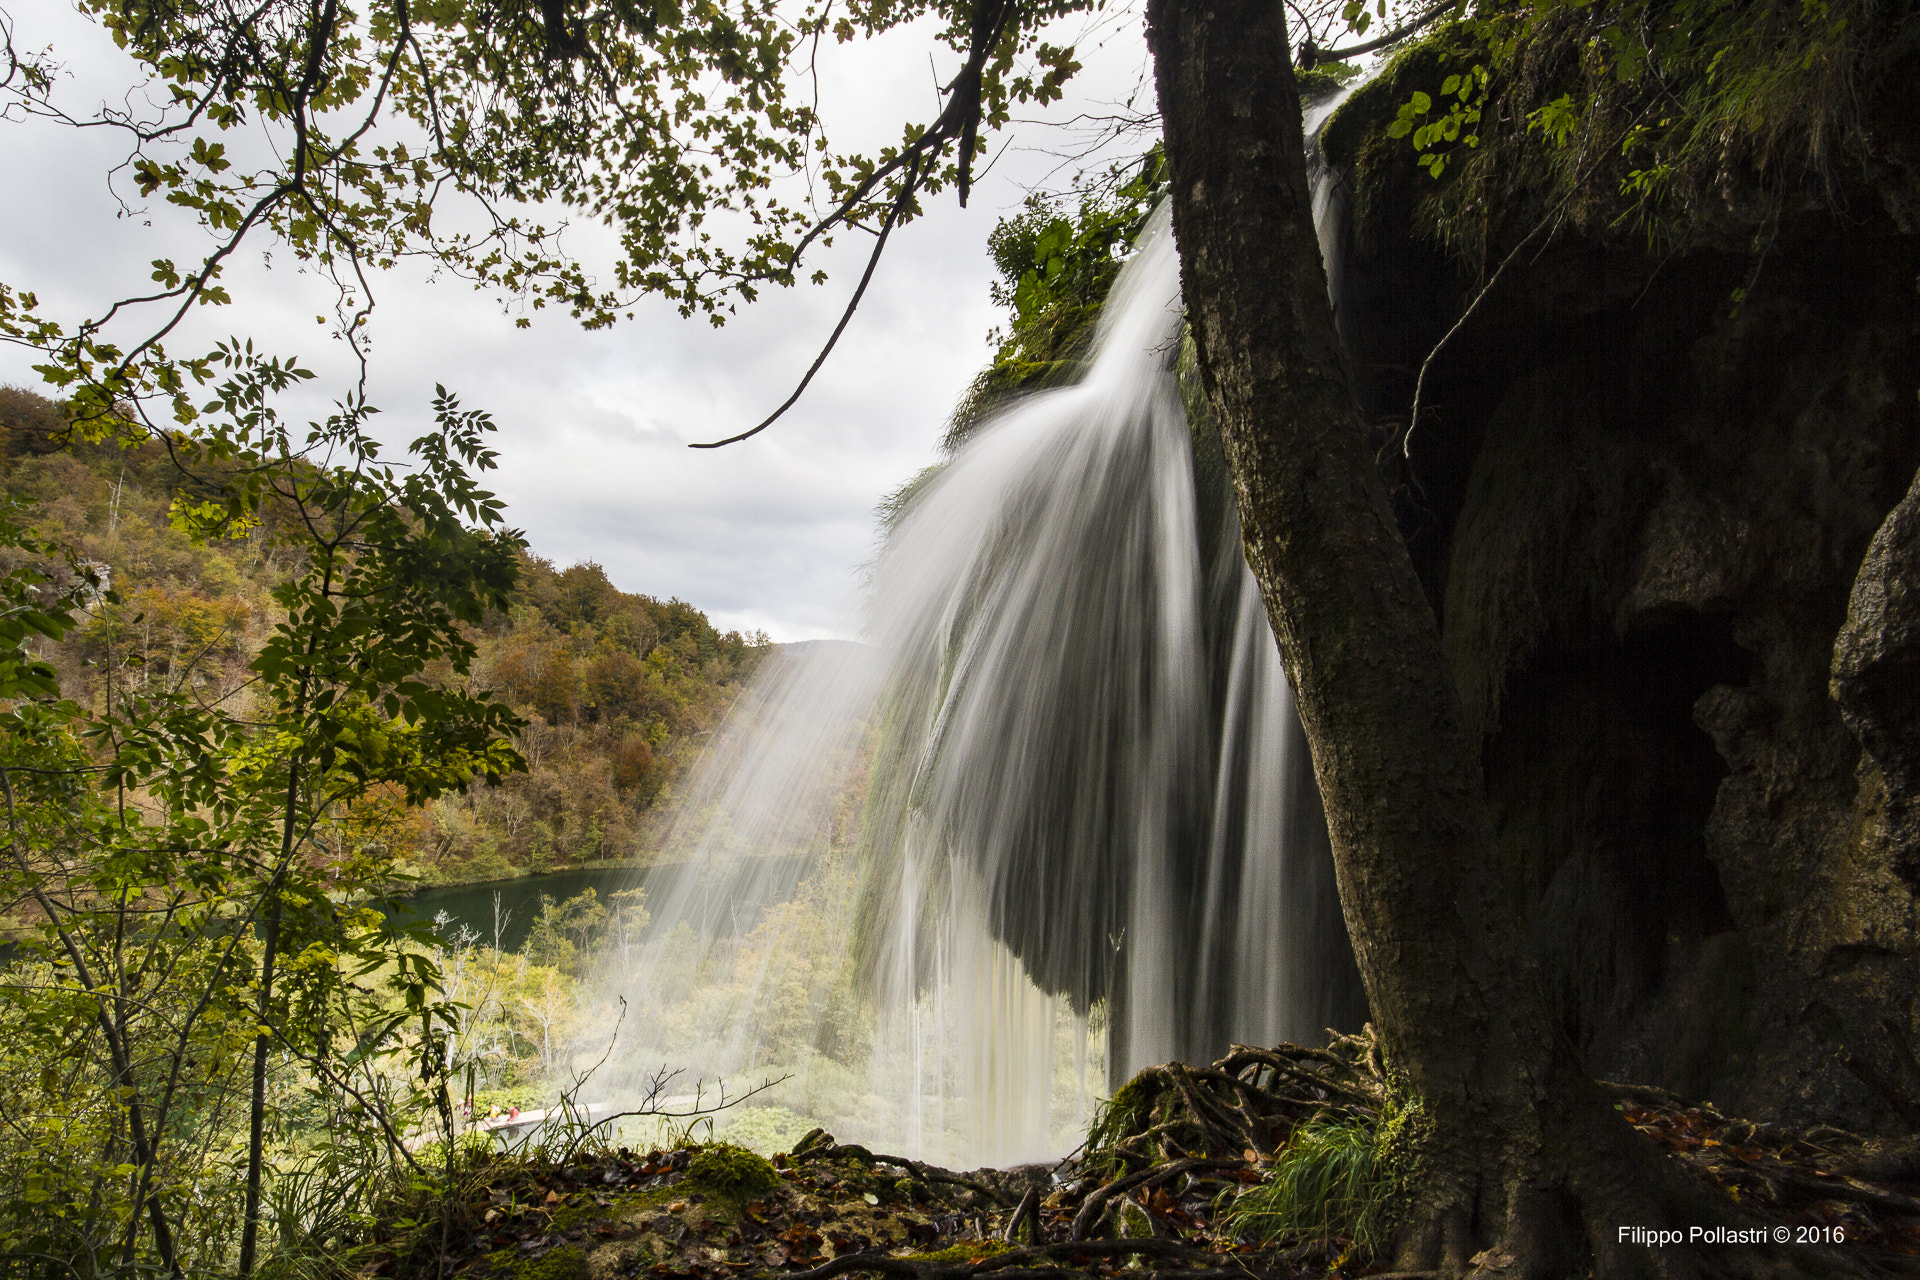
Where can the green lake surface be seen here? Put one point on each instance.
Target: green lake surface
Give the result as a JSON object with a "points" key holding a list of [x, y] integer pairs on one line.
{"points": [[738, 897]]}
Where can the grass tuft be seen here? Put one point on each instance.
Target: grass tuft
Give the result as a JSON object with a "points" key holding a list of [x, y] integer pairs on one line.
{"points": [[1335, 1179]]}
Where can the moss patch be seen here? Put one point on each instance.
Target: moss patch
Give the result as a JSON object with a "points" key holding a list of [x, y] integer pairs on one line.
{"points": [[732, 1171], [966, 1251], [1130, 1110], [583, 1210]]}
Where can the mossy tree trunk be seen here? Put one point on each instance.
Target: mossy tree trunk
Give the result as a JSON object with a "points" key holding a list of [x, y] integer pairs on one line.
{"points": [[1529, 1172]]}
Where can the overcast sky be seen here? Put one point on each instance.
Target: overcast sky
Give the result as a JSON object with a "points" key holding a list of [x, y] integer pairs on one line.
{"points": [[593, 426]]}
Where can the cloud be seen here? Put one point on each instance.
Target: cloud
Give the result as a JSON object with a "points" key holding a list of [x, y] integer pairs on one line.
{"points": [[593, 426]]}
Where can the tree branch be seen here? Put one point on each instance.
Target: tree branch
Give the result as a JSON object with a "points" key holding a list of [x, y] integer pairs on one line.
{"points": [[900, 205], [1311, 56]]}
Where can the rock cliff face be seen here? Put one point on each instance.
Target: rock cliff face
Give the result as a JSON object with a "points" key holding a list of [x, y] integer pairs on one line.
{"points": [[1642, 495], [1876, 674]]}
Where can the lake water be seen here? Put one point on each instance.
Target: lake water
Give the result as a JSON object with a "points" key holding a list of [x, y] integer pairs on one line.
{"points": [[732, 898]]}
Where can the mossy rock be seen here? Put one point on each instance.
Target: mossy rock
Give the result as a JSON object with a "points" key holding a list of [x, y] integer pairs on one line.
{"points": [[1129, 1110], [624, 1206], [1325, 80], [1421, 64], [1384, 180], [732, 1171]]}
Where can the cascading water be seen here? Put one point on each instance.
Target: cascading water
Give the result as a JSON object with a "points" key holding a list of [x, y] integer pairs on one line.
{"points": [[1052, 821]]}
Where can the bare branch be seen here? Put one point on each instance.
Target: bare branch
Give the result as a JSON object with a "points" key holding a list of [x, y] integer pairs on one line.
{"points": [[900, 206]]}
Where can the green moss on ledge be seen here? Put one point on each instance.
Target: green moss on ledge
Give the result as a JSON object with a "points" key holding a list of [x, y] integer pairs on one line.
{"points": [[732, 1171], [966, 1251]]}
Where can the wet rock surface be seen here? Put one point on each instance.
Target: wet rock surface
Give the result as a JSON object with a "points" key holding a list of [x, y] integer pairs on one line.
{"points": [[1657, 505], [1876, 674]]}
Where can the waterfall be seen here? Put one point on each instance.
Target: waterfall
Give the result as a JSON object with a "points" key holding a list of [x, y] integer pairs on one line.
{"points": [[1051, 820]]}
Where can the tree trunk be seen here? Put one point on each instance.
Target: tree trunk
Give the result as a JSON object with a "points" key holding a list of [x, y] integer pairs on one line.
{"points": [[263, 1041], [1528, 1171], [257, 1093]]}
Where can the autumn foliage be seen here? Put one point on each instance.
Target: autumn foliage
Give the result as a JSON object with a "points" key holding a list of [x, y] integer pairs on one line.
{"points": [[621, 689]]}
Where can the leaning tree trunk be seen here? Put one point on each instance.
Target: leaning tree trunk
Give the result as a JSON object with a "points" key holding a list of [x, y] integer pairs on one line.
{"points": [[1524, 1160]]}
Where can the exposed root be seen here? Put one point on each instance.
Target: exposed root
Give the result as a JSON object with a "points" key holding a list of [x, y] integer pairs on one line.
{"points": [[1818, 1178], [819, 1145], [1243, 1106]]}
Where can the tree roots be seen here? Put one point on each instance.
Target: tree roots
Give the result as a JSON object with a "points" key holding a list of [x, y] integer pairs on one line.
{"points": [[1163, 1187]]}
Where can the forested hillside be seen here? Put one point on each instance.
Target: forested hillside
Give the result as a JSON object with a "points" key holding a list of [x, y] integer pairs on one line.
{"points": [[619, 690]]}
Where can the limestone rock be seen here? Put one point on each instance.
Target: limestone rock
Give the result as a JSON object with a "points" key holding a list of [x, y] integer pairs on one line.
{"points": [[1876, 674]]}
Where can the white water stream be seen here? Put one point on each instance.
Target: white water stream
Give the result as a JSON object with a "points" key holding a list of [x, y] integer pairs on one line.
{"points": [[1054, 815]]}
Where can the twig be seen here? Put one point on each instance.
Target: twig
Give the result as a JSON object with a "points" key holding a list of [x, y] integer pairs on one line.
{"points": [[1550, 220], [1420, 383], [1029, 1208], [1848, 1190]]}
